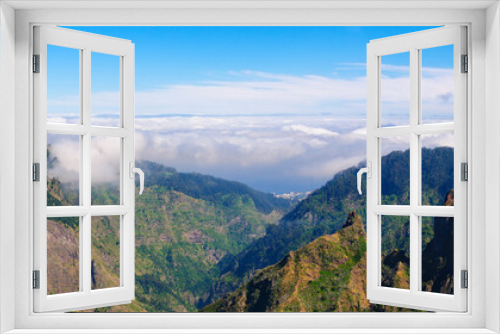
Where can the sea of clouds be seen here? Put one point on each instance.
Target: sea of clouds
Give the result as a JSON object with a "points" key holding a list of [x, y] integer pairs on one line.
{"points": [[276, 133]]}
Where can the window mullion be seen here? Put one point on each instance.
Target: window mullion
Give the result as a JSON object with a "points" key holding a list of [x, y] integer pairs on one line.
{"points": [[85, 235], [414, 169]]}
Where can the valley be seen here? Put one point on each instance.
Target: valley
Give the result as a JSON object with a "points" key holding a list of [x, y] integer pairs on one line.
{"points": [[204, 243]]}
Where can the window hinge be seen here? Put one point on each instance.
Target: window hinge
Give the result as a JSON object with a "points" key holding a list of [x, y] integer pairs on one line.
{"points": [[465, 279], [36, 172], [36, 63], [465, 64], [36, 279], [464, 170]]}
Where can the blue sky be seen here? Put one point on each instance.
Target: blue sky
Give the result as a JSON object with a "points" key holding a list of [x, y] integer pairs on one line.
{"points": [[296, 97], [176, 55]]}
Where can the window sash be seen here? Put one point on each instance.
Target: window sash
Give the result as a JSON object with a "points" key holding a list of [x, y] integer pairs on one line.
{"points": [[414, 298], [85, 298]]}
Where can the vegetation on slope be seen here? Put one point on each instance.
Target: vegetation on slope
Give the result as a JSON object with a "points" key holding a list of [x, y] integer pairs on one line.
{"points": [[325, 209], [199, 237], [329, 274], [179, 238], [326, 275], [209, 188]]}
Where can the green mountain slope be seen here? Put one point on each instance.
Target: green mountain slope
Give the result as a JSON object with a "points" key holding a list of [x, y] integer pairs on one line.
{"points": [[208, 187], [199, 237], [329, 274], [326, 275], [324, 210], [180, 240], [185, 223]]}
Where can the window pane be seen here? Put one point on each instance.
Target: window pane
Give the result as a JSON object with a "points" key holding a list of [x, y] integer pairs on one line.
{"points": [[437, 84], [63, 249], [105, 90], [106, 157], [63, 85], [105, 252], [396, 251], [437, 254], [395, 89], [63, 170], [395, 170], [438, 171]]}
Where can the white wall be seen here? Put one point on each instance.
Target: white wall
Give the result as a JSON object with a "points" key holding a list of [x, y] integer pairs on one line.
{"points": [[7, 125], [492, 164]]}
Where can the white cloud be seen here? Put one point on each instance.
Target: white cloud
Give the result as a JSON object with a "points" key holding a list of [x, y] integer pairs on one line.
{"points": [[105, 157], [254, 92], [279, 153], [264, 94], [435, 140], [310, 130], [326, 169], [66, 149], [261, 151], [280, 133]]}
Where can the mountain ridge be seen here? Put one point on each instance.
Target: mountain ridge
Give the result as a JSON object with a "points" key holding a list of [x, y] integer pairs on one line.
{"points": [[326, 275], [178, 236], [324, 210], [194, 248], [208, 187]]}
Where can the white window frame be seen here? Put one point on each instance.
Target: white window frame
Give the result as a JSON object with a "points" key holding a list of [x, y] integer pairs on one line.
{"points": [[484, 101], [414, 43], [85, 297]]}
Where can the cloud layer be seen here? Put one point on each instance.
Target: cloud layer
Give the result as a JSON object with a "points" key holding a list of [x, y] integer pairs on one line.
{"points": [[277, 153], [277, 133], [252, 92]]}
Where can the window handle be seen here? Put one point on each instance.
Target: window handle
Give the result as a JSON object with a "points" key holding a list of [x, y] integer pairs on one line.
{"points": [[368, 171], [134, 170]]}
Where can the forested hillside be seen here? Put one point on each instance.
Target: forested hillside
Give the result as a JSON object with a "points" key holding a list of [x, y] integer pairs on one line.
{"points": [[185, 223], [329, 274], [324, 211], [326, 275], [199, 238]]}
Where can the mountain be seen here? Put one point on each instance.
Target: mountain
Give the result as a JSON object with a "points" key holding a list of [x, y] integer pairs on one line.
{"points": [[208, 187], [324, 210], [185, 223], [326, 275], [199, 237], [180, 239], [329, 274]]}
